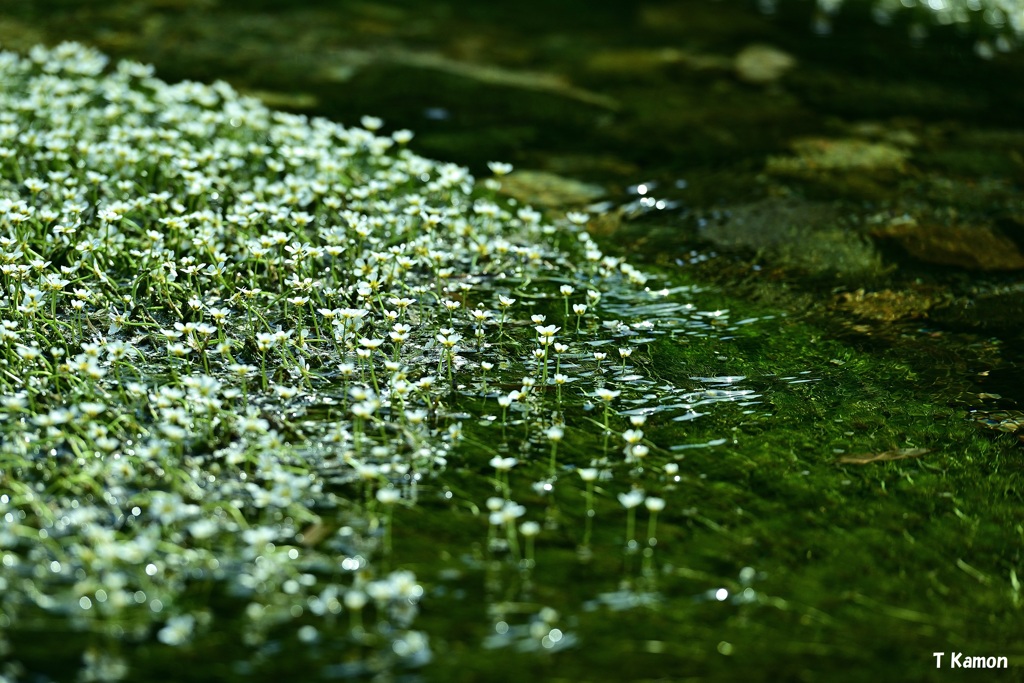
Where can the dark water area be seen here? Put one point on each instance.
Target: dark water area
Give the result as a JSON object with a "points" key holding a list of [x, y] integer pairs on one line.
{"points": [[858, 191]]}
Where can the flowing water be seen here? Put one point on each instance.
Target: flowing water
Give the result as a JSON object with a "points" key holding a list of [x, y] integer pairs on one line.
{"points": [[822, 371]]}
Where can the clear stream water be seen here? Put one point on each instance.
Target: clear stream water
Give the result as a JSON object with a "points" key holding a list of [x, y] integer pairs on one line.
{"points": [[833, 398]]}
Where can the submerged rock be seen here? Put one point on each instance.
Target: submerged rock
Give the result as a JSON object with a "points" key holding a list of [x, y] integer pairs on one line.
{"points": [[815, 237], [837, 154], [347, 63], [1000, 309], [762, 64], [640, 61], [548, 189], [886, 305], [978, 247]]}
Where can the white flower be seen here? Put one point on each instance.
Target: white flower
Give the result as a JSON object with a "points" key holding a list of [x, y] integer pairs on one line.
{"points": [[92, 409], [631, 499], [499, 168], [364, 409], [355, 599], [508, 513], [633, 436], [655, 504], [202, 529], [508, 399], [389, 496], [449, 341], [638, 451], [371, 123], [178, 630], [503, 464]]}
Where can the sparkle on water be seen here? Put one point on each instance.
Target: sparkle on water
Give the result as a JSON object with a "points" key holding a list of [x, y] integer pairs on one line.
{"points": [[235, 342]]}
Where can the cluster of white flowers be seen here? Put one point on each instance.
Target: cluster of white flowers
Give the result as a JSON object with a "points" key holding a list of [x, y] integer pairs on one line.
{"points": [[227, 331]]}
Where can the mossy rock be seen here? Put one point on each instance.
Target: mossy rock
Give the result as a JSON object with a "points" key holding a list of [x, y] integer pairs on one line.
{"points": [[972, 247], [813, 237], [548, 189]]}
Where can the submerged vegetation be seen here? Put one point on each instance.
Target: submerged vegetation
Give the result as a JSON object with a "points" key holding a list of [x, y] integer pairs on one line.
{"points": [[236, 342], [280, 394]]}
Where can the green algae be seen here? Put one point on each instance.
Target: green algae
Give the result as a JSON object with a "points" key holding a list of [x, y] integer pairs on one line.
{"points": [[924, 550]]}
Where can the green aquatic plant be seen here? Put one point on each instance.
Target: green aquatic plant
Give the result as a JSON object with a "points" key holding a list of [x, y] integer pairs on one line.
{"points": [[630, 501], [237, 345]]}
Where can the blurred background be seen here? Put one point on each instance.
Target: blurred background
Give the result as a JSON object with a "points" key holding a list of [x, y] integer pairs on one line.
{"points": [[613, 92]]}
